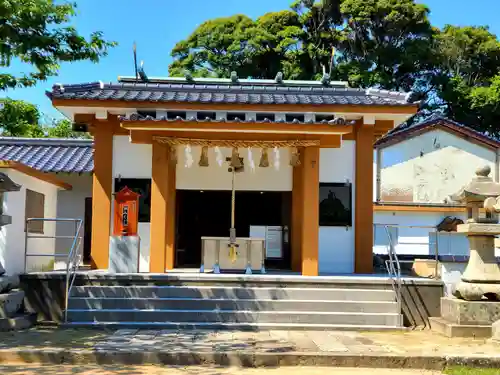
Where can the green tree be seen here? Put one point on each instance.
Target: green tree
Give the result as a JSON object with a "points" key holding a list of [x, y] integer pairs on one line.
{"points": [[63, 129], [464, 83], [36, 32], [20, 119], [257, 49], [384, 43]]}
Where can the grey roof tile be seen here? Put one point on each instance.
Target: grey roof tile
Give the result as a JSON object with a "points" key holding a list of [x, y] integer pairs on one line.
{"points": [[49, 155], [249, 91]]}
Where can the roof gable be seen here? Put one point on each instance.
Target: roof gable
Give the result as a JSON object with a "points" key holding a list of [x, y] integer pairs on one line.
{"points": [[405, 131]]}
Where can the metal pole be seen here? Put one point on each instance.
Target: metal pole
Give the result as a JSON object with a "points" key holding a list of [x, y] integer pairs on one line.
{"points": [[26, 244], [436, 269], [233, 200]]}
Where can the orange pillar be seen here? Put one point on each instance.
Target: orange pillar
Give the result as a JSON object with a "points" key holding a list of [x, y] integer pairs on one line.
{"points": [[297, 198], [363, 216], [162, 210], [101, 196], [310, 211]]}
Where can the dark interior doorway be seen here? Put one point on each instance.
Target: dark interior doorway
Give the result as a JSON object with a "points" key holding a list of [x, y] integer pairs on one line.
{"points": [[208, 213], [87, 234]]}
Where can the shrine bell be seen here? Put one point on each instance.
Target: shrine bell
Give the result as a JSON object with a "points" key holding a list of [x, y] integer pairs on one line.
{"points": [[126, 212]]}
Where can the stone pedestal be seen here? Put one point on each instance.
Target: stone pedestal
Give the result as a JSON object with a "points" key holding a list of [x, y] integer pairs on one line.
{"points": [[495, 331], [481, 278], [124, 254], [461, 318]]}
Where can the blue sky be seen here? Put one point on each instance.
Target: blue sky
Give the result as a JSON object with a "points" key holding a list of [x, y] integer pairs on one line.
{"points": [[156, 25]]}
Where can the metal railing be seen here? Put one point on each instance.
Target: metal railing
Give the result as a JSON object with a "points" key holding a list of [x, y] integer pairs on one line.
{"points": [[73, 257], [393, 263]]}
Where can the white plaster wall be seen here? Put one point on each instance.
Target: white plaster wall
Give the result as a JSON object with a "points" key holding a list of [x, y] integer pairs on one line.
{"points": [[431, 166], [336, 244], [71, 205], [132, 160], [416, 241], [277, 177], [143, 229], [12, 238]]}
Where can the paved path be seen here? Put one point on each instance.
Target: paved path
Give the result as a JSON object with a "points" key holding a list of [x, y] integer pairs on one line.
{"points": [[399, 343], [156, 370], [416, 349]]}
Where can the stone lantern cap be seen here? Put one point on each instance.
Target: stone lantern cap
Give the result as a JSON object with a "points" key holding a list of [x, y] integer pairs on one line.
{"points": [[6, 184], [481, 187]]}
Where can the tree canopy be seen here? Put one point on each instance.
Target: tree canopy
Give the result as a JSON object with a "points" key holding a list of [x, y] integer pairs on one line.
{"points": [[38, 33], [389, 44], [19, 118]]}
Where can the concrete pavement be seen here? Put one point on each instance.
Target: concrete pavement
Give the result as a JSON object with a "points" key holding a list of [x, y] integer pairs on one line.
{"points": [[195, 370]]}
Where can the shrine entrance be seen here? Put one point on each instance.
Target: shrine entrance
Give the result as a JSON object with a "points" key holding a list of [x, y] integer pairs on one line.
{"points": [[207, 214]]}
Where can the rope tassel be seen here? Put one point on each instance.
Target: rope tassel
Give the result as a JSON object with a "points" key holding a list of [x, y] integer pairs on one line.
{"points": [[250, 159], [189, 156], [276, 158]]}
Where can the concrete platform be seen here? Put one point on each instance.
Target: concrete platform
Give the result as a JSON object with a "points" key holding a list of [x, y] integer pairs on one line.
{"points": [[118, 294], [448, 329]]}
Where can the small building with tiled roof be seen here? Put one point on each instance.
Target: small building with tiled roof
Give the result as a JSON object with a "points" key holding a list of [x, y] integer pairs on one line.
{"points": [[302, 151], [56, 179], [424, 162], [418, 165]]}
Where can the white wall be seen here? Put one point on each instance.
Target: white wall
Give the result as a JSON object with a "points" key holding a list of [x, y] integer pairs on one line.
{"points": [[336, 244], [416, 241], [277, 177], [132, 160], [431, 166], [71, 205], [12, 244]]}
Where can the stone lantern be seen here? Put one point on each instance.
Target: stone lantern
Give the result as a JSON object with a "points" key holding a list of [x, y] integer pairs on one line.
{"points": [[481, 278]]}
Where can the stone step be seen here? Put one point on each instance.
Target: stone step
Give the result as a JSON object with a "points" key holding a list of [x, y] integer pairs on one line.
{"points": [[231, 292], [235, 326], [11, 303], [232, 304], [233, 316], [17, 322]]}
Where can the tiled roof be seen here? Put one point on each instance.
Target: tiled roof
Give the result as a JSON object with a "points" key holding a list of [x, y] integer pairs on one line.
{"points": [[224, 91], [139, 117], [402, 131], [49, 155]]}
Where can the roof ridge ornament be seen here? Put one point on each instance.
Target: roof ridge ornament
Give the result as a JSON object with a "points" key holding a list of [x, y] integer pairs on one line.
{"points": [[142, 73], [234, 77], [325, 79], [188, 76], [279, 77]]}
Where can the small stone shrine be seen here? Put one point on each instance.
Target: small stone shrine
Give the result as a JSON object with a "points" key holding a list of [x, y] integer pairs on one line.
{"points": [[475, 304], [11, 298]]}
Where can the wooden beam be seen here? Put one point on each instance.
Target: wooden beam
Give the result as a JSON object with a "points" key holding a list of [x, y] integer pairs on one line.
{"points": [[309, 236], [363, 216], [43, 176], [101, 197], [415, 208], [162, 230], [146, 137], [246, 127]]}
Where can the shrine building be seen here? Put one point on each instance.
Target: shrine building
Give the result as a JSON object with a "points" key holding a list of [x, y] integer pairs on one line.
{"points": [[298, 156]]}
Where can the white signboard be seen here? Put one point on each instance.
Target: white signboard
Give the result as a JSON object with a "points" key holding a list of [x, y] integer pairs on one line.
{"points": [[273, 236]]}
